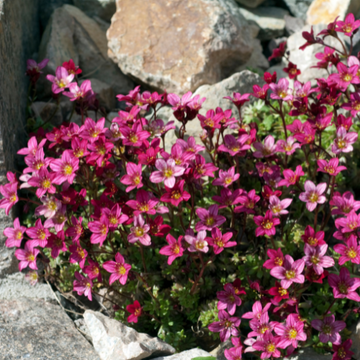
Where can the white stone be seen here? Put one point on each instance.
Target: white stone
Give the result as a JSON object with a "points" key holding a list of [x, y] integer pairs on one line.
{"points": [[185, 355]]}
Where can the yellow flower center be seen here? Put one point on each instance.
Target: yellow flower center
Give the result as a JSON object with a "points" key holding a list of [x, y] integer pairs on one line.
{"points": [[81, 253], [176, 195], [312, 241], [356, 104], [267, 224], [263, 329], [228, 180], [351, 253], [51, 205], [18, 235], [315, 260], [341, 353], [168, 173], [290, 274], [139, 231], [144, 207], [341, 143], [68, 169], [13, 198], [343, 288], [113, 220], [347, 77], [39, 165], [347, 28], [326, 329], [199, 245], [103, 229], [137, 312], [282, 292], [60, 83], [41, 234], [210, 221], [133, 138], [78, 152], [46, 184], [270, 348], [175, 249], [313, 197], [30, 257], [235, 149], [136, 180], [279, 261], [329, 169], [120, 269], [282, 94], [101, 150]]}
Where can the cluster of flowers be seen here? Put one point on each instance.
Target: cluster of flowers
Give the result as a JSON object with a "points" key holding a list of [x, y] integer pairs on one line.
{"points": [[92, 182]]}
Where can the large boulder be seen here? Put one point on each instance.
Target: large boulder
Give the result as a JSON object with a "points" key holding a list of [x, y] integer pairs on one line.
{"points": [[114, 341], [298, 7], [47, 8], [179, 45], [70, 34], [325, 11], [104, 9]]}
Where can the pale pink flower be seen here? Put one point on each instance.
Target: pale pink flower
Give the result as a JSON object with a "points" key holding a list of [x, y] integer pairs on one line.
{"points": [[278, 206], [257, 311], [291, 332], [82, 285], [343, 141], [65, 168], [27, 257], [267, 149], [119, 269], [168, 170], [349, 252], [139, 232], [226, 178], [313, 194], [280, 91], [287, 146], [228, 299], [330, 167], [268, 345], [197, 243], [14, 235], [33, 146], [315, 258], [61, 81], [209, 219], [290, 272], [173, 250], [226, 325]]}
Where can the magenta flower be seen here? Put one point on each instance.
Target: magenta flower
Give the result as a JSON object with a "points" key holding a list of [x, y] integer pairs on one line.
{"points": [[315, 258], [266, 224], [261, 326], [345, 76], [61, 80], [134, 136], [79, 147], [33, 146], [56, 242], [257, 311], [342, 352], [36, 162], [32, 277], [39, 235], [344, 286], [234, 145], [158, 228], [33, 69], [58, 220], [313, 194], [9, 191], [248, 202], [268, 345], [234, 353], [99, 152], [99, 230], [329, 329], [82, 285], [133, 176], [302, 91], [91, 130], [354, 105], [14, 235], [313, 239], [227, 197], [228, 299], [65, 168], [349, 252], [119, 269], [190, 145], [209, 219], [267, 149], [220, 241], [75, 231], [238, 100], [43, 181], [135, 310], [278, 206], [226, 178], [201, 168], [276, 258], [287, 146], [139, 232], [173, 250], [78, 255], [349, 223], [93, 270], [260, 92], [343, 141], [176, 194], [348, 26], [291, 332], [290, 272], [330, 167], [27, 257], [280, 91], [227, 326], [197, 243], [115, 216], [180, 157], [76, 93], [143, 203], [50, 207], [168, 170]]}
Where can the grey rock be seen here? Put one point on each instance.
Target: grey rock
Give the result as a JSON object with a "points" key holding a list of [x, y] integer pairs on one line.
{"points": [[257, 59], [81, 326], [308, 354], [104, 9], [293, 24], [250, 3], [270, 20], [113, 340], [185, 355], [15, 286], [355, 337], [218, 352], [298, 7], [36, 329], [48, 112], [70, 34], [47, 8], [179, 45], [274, 43], [105, 93]]}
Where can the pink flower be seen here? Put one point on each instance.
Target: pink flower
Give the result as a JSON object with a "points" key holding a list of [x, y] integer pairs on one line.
{"points": [[276, 258], [190, 145], [168, 170], [50, 207], [201, 168], [71, 67], [78, 255], [99, 152], [348, 26], [228, 299], [329, 329], [344, 204], [119, 269], [344, 286], [268, 345], [226, 178], [302, 91], [343, 141], [135, 311], [291, 332], [260, 92], [115, 216], [209, 219], [278, 292], [36, 162], [238, 100], [43, 181], [93, 270], [278, 206], [266, 224], [139, 231], [227, 326], [234, 353], [227, 197], [267, 149], [76, 93], [345, 77], [280, 91], [134, 136], [349, 252], [220, 241], [143, 203], [133, 176], [173, 250], [210, 121], [288, 147], [33, 69], [82, 285], [313, 239], [349, 223], [315, 258], [313, 194], [14, 235], [61, 80], [75, 231], [176, 194], [234, 146], [257, 311], [248, 202], [65, 168], [354, 105], [9, 191], [58, 220], [33, 146], [197, 243], [32, 277], [290, 272], [330, 167], [56, 243], [79, 147], [342, 352], [27, 257], [157, 228], [261, 326], [99, 230], [39, 235], [91, 130]]}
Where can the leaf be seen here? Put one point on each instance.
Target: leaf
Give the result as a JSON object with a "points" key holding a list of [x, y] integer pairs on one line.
{"points": [[204, 358]]}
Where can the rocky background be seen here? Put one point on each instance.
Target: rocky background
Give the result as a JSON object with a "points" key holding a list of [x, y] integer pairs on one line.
{"points": [[210, 47]]}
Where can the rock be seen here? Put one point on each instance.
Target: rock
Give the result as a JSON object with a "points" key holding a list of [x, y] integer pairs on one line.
{"points": [[185, 355], [113, 340], [70, 34], [81, 326], [179, 45], [104, 9], [15, 286], [257, 59], [298, 8], [270, 20], [293, 24], [355, 337], [325, 11], [274, 43], [105, 93], [250, 3], [308, 354], [36, 329], [47, 8], [218, 352], [47, 111]]}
